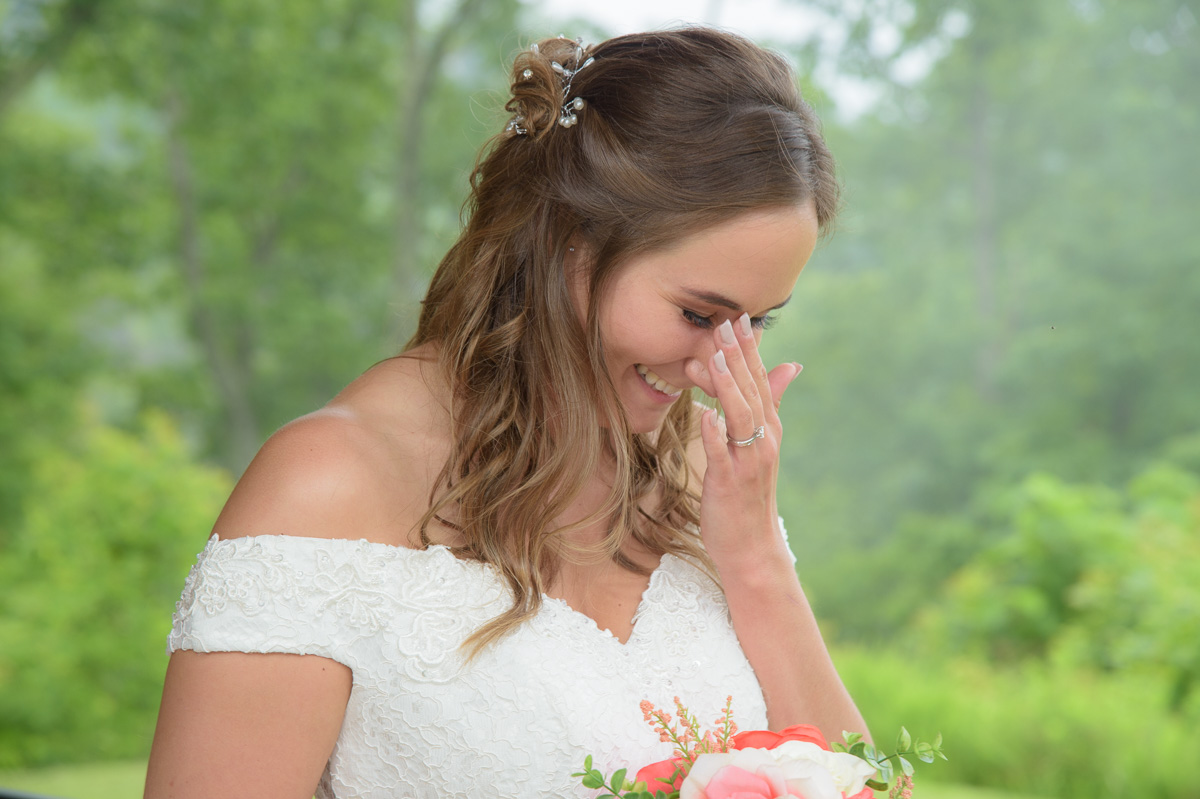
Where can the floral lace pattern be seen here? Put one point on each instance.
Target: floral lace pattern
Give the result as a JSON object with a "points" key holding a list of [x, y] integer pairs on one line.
{"points": [[423, 723]]}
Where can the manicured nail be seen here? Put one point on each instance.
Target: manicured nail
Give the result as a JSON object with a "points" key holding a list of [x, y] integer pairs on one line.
{"points": [[744, 323], [726, 332], [719, 359]]}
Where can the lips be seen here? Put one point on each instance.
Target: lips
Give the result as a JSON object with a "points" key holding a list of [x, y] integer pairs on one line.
{"points": [[657, 383]]}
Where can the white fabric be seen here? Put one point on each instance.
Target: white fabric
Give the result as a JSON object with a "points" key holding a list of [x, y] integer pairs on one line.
{"points": [[423, 723]]}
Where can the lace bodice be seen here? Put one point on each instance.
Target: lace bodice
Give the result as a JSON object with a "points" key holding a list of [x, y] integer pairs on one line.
{"points": [[421, 722]]}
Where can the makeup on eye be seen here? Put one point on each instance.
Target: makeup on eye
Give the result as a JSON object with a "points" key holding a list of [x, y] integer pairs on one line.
{"points": [[763, 322], [717, 300]]}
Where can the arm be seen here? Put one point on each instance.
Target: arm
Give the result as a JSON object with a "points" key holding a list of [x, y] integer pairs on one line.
{"points": [[739, 523], [235, 724]]}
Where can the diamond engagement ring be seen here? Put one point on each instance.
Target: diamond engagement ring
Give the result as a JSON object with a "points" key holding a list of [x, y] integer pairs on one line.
{"points": [[759, 432]]}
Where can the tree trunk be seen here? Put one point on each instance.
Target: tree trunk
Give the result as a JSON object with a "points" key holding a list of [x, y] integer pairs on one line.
{"points": [[418, 72], [230, 370], [984, 236]]}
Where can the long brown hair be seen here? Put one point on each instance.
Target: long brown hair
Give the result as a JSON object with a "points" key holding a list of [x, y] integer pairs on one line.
{"points": [[679, 130]]}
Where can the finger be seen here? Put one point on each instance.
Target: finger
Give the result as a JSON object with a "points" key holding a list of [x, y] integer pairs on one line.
{"points": [[739, 417], [780, 378], [754, 363], [714, 436], [748, 390], [699, 375]]}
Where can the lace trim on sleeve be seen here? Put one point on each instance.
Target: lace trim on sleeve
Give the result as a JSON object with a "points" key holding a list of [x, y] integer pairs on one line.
{"points": [[281, 594]]}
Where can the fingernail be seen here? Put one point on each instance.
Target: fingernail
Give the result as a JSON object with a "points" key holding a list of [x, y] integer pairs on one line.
{"points": [[719, 358], [744, 323], [726, 332]]}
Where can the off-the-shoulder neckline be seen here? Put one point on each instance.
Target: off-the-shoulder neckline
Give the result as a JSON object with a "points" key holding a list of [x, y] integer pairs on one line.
{"points": [[443, 551]]}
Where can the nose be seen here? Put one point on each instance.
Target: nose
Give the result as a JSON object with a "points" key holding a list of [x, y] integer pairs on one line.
{"points": [[702, 352], [705, 348]]}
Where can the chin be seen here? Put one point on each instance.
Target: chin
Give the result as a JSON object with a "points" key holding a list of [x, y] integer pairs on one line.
{"points": [[649, 421]]}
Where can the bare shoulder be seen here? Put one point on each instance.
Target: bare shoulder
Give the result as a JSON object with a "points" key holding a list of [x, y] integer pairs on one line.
{"points": [[361, 467]]}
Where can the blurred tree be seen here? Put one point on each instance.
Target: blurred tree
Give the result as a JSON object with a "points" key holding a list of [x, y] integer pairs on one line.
{"points": [[86, 587], [285, 178], [1013, 288], [35, 35], [1086, 576]]}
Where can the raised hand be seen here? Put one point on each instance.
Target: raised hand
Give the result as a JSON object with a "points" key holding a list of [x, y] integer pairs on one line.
{"points": [[738, 516]]}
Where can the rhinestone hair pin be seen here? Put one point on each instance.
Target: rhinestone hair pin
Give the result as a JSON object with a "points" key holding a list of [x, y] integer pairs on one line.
{"points": [[567, 117]]}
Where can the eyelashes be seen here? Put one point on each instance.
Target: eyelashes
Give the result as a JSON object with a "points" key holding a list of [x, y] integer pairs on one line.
{"points": [[706, 322]]}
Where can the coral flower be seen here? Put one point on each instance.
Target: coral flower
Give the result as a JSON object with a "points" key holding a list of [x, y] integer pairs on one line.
{"points": [[765, 739]]}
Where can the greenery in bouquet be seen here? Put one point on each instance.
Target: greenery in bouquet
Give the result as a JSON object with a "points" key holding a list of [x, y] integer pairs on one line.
{"points": [[795, 763]]}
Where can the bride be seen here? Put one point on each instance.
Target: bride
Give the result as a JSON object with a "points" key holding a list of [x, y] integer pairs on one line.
{"points": [[464, 574]]}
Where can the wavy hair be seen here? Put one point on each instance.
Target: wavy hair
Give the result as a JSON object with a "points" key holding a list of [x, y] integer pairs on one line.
{"points": [[681, 130]]}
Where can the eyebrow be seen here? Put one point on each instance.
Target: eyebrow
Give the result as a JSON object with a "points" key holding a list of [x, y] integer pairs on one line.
{"points": [[720, 300]]}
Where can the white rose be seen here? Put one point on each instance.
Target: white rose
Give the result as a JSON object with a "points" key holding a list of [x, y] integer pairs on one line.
{"points": [[793, 769], [849, 773]]}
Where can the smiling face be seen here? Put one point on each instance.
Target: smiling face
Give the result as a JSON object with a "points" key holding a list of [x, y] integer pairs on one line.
{"points": [[658, 311]]}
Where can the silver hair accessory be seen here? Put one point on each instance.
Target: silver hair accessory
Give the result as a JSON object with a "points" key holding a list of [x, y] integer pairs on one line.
{"points": [[759, 432], [567, 118], [571, 104]]}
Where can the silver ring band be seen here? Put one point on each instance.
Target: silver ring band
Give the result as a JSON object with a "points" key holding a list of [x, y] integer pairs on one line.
{"points": [[759, 432]]}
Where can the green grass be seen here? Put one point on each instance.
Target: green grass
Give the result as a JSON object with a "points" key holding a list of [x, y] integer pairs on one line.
{"points": [[121, 780], [942, 791], [124, 780]]}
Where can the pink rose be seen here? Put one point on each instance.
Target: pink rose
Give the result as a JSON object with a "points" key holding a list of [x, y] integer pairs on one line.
{"points": [[732, 782]]}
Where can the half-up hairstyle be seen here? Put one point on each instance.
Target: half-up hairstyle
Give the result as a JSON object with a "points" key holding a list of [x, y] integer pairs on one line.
{"points": [[678, 131]]}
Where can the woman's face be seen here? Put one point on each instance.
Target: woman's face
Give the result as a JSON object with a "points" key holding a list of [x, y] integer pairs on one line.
{"points": [[658, 312]]}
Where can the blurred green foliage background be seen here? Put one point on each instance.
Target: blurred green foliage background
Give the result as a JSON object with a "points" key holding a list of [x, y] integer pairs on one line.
{"points": [[213, 216]]}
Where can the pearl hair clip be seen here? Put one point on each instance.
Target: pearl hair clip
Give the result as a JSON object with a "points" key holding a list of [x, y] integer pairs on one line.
{"points": [[568, 117]]}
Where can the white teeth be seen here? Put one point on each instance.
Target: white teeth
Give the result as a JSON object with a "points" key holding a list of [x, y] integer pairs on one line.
{"points": [[654, 380]]}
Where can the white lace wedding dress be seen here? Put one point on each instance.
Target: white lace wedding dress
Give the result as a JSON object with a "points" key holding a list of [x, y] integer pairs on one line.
{"points": [[421, 722]]}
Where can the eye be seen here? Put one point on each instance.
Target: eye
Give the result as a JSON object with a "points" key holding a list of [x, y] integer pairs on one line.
{"points": [[763, 322]]}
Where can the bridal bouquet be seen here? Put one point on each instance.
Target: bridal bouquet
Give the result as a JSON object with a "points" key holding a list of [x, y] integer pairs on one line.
{"points": [[796, 763]]}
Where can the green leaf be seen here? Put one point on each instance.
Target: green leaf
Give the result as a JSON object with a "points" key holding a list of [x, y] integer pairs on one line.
{"points": [[593, 780], [906, 767], [852, 737], [587, 763], [618, 780], [877, 785], [903, 741], [937, 742]]}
